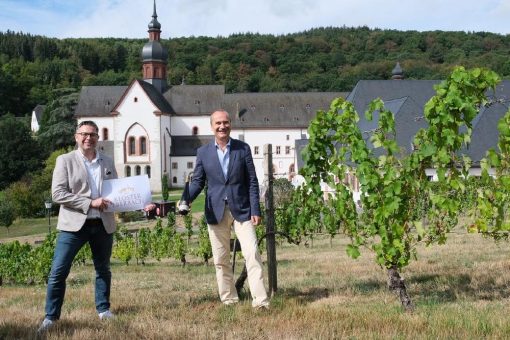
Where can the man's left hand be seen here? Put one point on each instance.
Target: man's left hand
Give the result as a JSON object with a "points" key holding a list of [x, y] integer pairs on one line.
{"points": [[255, 220]]}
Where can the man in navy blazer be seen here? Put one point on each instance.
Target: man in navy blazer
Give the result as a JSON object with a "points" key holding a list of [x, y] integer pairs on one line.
{"points": [[232, 197]]}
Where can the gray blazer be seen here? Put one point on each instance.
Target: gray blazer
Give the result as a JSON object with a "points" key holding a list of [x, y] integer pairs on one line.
{"points": [[70, 189]]}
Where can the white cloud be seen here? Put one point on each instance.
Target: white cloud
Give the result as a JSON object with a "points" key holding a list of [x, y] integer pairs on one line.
{"points": [[129, 18]]}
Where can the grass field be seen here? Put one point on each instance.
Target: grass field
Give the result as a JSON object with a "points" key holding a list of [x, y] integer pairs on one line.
{"points": [[461, 291]]}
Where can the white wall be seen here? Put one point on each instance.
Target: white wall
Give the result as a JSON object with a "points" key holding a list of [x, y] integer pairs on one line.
{"points": [[254, 138], [282, 138], [139, 114], [182, 170], [182, 126], [102, 122], [34, 124]]}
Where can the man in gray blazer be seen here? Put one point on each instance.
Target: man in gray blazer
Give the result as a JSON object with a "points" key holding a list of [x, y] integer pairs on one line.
{"points": [[232, 198], [77, 182]]}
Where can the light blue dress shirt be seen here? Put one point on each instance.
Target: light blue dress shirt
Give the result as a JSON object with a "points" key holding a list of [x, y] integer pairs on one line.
{"points": [[224, 157]]}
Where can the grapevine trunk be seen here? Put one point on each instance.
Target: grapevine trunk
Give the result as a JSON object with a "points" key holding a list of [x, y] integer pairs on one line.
{"points": [[397, 285]]}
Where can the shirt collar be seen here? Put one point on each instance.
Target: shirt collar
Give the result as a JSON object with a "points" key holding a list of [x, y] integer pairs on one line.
{"points": [[86, 159], [217, 146]]}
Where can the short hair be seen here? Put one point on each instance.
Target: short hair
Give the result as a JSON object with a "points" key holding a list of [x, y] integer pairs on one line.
{"points": [[89, 123], [219, 110]]}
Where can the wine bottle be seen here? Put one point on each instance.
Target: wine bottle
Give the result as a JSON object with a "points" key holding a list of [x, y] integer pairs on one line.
{"points": [[184, 203]]}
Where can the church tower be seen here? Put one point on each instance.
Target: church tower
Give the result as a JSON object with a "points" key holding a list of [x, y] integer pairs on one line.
{"points": [[155, 56]]}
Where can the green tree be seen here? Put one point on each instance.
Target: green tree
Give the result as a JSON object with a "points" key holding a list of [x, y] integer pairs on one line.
{"points": [[19, 153], [6, 214], [58, 124], [20, 197], [27, 195], [164, 187], [392, 184]]}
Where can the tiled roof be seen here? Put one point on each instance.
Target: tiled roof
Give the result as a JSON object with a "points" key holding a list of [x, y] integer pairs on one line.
{"points": [[98, 101], [156, 97], [195, 99], [407, 99], [277, 109]]}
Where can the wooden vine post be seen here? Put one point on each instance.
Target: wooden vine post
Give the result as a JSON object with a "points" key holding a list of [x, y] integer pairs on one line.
{"points": [[270, 220]]}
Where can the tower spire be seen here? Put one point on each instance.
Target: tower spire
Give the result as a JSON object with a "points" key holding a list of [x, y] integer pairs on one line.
{"points": [[155, 56], [154, 25]]}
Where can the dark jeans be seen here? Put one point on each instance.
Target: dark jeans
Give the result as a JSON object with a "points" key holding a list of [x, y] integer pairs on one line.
{"points": [[68, 245]]}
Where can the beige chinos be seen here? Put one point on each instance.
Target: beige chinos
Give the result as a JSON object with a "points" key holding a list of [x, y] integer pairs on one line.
{"points": [[219, 235]]}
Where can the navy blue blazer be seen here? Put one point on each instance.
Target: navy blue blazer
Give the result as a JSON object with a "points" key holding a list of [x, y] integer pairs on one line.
{"points": [[241, 188]]}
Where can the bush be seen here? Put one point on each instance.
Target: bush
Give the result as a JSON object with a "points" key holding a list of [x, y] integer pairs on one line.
{"points": [[22, 200], [282, 192], [131, 216], [22, 263], [6, 214]]}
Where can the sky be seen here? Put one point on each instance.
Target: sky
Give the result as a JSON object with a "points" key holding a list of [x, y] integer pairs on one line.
{"points": [[185, 18]]}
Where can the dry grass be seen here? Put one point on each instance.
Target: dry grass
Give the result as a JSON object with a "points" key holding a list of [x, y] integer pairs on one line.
{"points": [[460, 290]]}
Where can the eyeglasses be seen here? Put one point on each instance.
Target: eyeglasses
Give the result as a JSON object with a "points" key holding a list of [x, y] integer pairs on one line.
{"points": [[91, 135]]}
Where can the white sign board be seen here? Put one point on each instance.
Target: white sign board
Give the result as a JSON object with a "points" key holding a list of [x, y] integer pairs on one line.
{"points": [[127, 194]]}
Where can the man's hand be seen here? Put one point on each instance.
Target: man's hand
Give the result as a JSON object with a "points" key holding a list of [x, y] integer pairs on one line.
{"points": [[100, 203], [255, 220]]}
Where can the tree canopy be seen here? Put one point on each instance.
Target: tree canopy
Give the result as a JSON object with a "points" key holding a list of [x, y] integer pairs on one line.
{"points": [[321, 59], [19, 152]]}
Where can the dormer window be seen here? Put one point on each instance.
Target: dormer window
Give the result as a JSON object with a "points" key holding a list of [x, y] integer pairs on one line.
{"points": [[308, 107], [266, 119], [197, 102], [282, 107], [252, 108]]}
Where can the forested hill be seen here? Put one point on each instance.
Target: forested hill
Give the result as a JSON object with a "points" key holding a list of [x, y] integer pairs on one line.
{"points": [[323, 59]]}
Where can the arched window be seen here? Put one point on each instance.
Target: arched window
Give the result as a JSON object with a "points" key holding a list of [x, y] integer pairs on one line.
{"points": [[105, 134], [127, 171], [148, 171], [138, 170], [131, 146], [194, 131], [143, 145], [174, 180]]}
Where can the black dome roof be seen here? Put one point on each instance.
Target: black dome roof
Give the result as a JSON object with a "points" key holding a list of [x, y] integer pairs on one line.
{"points": [[154, 24], [153, 50]]}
